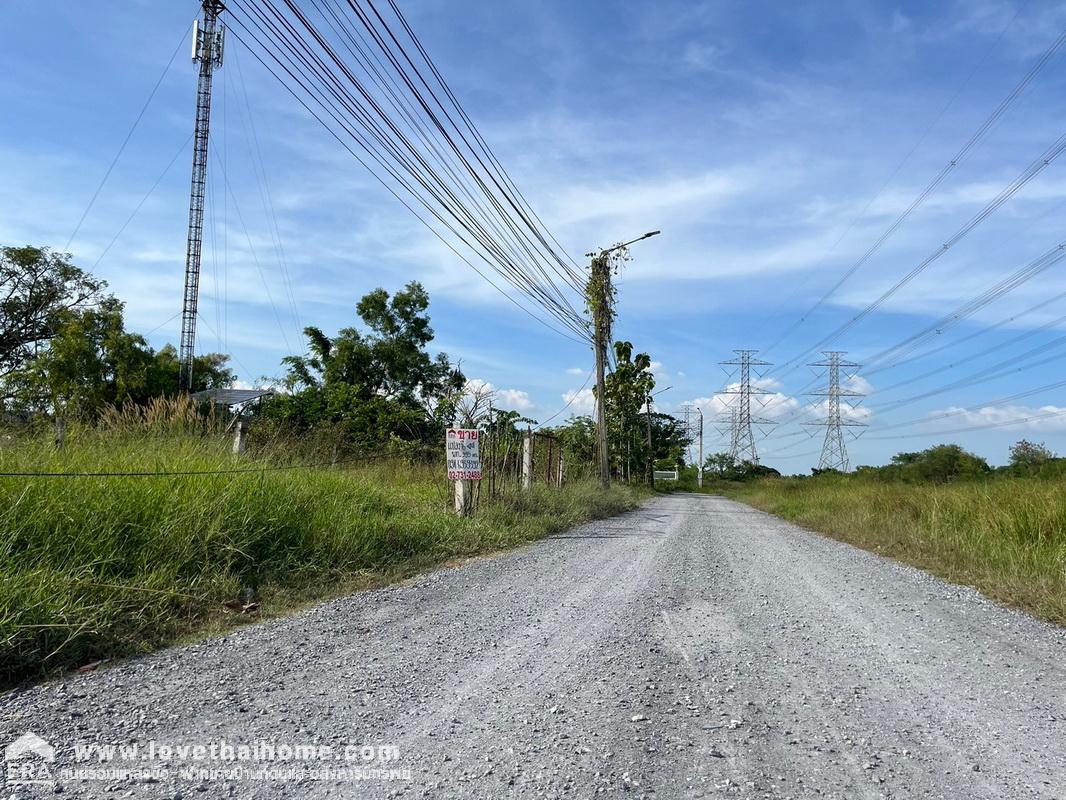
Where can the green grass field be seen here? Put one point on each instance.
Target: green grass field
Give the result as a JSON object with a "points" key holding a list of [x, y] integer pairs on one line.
{"points": [[93, 568], [1005, 536]]}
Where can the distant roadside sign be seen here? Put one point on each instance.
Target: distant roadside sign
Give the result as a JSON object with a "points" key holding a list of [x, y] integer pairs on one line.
{"points": [[464, 456]]}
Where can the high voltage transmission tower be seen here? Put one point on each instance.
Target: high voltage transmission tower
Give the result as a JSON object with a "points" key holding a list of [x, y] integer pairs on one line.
{"points": [[207, 41], [834, 452], [742, 446], [733, 433], [693, 423]]}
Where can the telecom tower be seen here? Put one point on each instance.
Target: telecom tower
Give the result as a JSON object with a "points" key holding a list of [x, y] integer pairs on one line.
{"points": [[207, 42], [743, 440], [834, 453]]}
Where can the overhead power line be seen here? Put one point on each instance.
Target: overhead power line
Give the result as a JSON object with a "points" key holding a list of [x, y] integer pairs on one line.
{"points": [[1008, 284], [1035, 168], [975, 407], [986, 426], [364, 76], [931, 187]]}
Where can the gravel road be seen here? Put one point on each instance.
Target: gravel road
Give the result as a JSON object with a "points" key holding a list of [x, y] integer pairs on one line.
{"points": [[692, 648]]}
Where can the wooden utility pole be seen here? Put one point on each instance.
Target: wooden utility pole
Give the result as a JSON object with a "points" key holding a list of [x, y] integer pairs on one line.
{"points": [[601, 329], [600, 297]]}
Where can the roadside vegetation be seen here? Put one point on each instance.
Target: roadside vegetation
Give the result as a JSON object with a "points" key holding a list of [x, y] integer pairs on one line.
{"points": [[92, 568], [127, 521], [999, 530]]}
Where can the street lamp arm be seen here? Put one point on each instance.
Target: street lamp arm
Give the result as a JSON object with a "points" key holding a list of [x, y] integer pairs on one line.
{"points": [[632, 241]]}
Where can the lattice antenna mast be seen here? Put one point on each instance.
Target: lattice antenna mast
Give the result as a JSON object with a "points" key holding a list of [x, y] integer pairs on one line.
{"points": [[207, 43], [834, 451], [743, 438]]}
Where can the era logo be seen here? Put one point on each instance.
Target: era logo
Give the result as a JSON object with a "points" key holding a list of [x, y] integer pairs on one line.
{"points": [[26, 760]]}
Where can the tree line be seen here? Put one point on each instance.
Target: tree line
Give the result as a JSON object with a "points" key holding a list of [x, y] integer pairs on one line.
{"points": [[941, 463], [65, 352]]}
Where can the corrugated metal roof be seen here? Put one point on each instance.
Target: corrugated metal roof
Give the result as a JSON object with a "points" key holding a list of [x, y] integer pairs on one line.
{"points": [[231, 397]]}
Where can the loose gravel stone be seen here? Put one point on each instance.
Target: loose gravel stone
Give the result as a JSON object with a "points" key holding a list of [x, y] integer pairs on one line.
{"points": [[692, 648]]}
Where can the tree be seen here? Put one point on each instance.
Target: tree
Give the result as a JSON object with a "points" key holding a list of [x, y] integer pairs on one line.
{"points": [[377, 384], [627, 390], [92, 361], [669, 438], [721, 465], [474, 404], [39, 289], [209, 371], [939, 464], [1029, 456], [578, 438]]}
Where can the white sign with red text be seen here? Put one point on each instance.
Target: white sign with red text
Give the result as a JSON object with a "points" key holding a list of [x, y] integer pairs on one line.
{"points": [[464, 457]]}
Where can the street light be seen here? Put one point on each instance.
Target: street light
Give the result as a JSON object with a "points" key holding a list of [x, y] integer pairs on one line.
{"points": [[600, 278], [688, 432], [647, 235]]}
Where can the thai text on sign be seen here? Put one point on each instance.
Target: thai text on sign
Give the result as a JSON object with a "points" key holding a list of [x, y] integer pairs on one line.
{"points": [[464, 457]]}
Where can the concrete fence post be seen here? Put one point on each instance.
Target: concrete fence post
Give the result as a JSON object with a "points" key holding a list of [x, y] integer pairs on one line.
{"points": [[240, 432], [464, 498], [527, 460]]}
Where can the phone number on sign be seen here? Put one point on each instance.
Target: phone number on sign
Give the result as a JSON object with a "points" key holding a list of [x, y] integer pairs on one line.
{"points": [[464, 474]]}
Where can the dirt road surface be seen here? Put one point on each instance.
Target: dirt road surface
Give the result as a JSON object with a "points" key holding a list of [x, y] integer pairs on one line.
{"points": [[693, 648]]}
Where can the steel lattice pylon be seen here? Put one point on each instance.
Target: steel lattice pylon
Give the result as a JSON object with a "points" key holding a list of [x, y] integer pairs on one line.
{"points": [[207, 50], [742, 444], [834, 452]]}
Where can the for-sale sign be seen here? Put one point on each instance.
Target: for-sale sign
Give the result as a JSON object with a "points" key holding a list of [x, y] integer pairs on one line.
{"points": [[464, 457]]}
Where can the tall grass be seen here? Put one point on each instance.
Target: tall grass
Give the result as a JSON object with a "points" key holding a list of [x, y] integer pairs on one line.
{"points": [[94, 567], [1004, 536]]}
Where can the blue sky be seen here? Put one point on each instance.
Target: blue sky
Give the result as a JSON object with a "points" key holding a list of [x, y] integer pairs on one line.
{"points": [[772, 143]]}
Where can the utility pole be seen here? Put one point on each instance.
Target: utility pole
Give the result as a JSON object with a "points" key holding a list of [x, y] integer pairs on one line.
{"points": [[699, 469], [207, 43], [743, 445], [651, 453], [834, 453], [599, 294], [600, 284]]}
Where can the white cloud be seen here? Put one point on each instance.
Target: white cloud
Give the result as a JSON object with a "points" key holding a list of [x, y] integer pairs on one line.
{"points": [[649, 197], [581, 401], [577, 371], [511, 399], [1044, 418], [772, 405], [857, 383], [515, 399]]}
